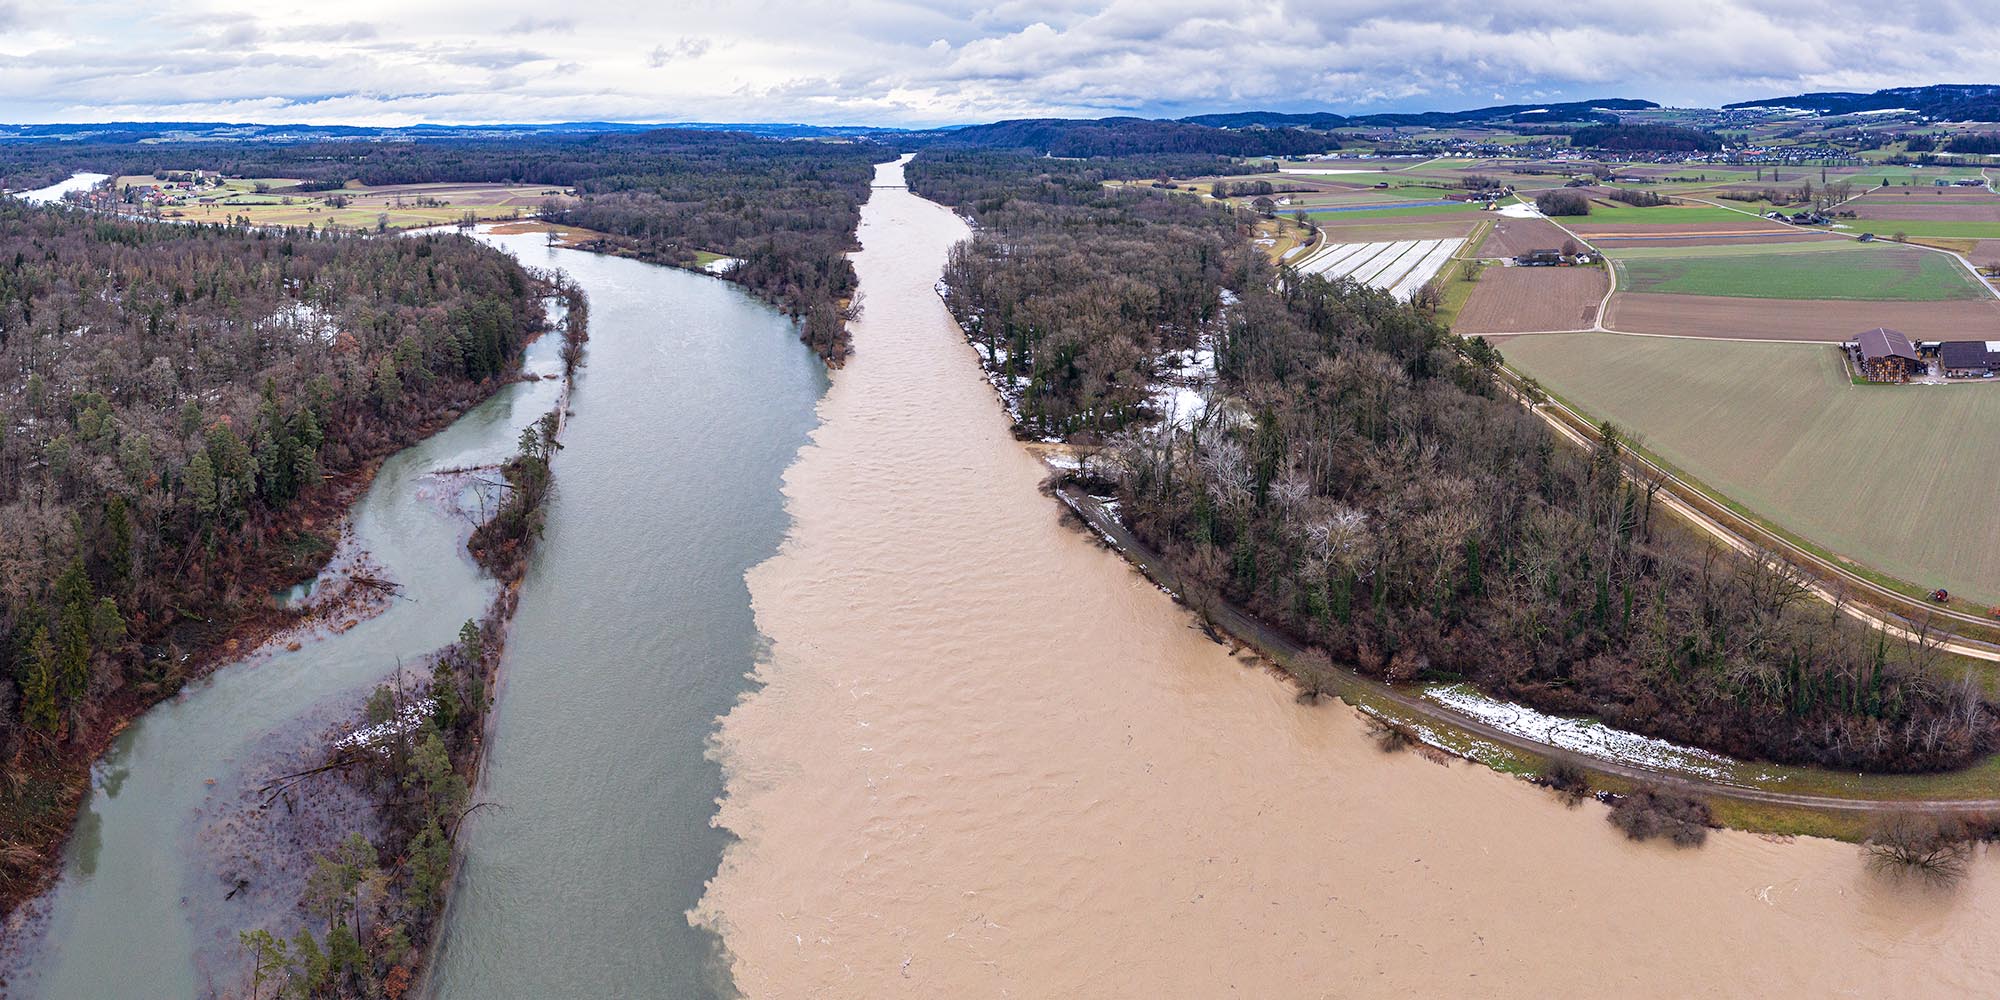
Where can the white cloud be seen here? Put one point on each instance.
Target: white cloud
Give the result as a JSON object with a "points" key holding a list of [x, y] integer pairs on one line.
{"points": [[913, 62]]}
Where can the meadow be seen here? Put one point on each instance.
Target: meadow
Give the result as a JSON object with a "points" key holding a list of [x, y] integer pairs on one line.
{"points": [[1804, 270], [1896, 478], [279, 201]]}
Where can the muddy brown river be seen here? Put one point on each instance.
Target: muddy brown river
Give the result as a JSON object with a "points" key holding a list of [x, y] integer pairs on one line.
{"points": [[988, 759]]}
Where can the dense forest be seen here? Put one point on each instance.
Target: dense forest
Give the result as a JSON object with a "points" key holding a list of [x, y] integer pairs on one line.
{"points": [[786, 208], [180, 410], [1982, 143], [1363, 483], [1090, 284], [1644, 139]]}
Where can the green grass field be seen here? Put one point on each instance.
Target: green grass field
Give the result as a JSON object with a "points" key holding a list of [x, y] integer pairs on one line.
{"points": [[1610, 212], [1896, 478], [1821, 269], [1362, 215]]}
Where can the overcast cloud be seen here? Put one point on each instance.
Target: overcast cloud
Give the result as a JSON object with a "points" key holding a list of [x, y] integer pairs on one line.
{"points": [[894, 62]]}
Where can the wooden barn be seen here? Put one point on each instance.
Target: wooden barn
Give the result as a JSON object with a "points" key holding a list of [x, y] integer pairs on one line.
{"points": [[1885, 355]]}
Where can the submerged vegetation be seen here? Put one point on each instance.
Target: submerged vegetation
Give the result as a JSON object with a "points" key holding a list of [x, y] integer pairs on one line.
{"points": [[1362, 482], [1652, 812], [371, 906], [376, 920]]}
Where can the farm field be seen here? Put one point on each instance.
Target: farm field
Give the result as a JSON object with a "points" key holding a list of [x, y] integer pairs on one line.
{"points": [[1399, 268], [1709, 236], [1793, 319], [1512, 237], [399, 206], [1526, 299], [1375, 230], [1418, 210], [1609, 213], [1891, 477], [1821, 269]]}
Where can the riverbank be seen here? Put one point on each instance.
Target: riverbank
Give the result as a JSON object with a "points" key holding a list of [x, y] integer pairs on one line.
{"points": [[833, 353], [1755, 798], [987, 758], [323, 513]]}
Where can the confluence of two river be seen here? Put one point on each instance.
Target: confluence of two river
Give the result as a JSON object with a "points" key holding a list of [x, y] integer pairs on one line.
{"points": [[986, 758]]}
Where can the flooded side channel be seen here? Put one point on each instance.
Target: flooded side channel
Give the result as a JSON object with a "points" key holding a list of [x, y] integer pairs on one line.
{"points": [[633, 633], [991, 760], [145, 886]]}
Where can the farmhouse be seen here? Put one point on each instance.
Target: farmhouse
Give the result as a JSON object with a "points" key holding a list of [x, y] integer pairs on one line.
{"points": [[1969, 358], [1885, 355]]}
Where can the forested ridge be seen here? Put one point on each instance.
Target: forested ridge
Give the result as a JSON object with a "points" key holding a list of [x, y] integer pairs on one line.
{"points": [[786, 208], [180, 407], [1363, 484], [1109, 137]]}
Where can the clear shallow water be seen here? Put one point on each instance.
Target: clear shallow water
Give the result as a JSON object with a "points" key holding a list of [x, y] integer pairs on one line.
{"points": [[633, 633]]}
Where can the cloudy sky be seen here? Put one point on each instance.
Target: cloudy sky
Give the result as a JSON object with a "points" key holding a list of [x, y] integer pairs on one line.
{"points": [[897, 62]]}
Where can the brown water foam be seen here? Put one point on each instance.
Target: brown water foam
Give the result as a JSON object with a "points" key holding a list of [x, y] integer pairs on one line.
{"points": [[990, 760]]}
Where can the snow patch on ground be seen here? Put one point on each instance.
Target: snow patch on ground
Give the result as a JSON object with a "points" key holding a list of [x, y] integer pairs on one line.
{"points": [[372, 737], [1586, 737], [1186, 381]]}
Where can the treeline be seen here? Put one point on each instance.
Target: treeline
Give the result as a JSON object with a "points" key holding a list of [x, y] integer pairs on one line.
{"points": [[1638, 198], [1644, 138], [1981, 143], [177, 407], [1071, 137], [1562, 201], [1075, 288], [1365, 485]]}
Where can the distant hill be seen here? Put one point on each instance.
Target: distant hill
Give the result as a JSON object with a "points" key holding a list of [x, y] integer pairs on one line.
{"points": [[1128, 136], [165, 132], [1944, 101], [1573, 111]]}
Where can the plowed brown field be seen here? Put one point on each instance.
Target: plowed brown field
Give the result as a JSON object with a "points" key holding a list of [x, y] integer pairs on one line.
{"points": [[1513, 237], [1790, 319], [1525, 299]]}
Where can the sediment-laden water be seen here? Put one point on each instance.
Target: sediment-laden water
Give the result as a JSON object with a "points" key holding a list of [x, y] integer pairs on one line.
{"points": [[988, 759]]}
